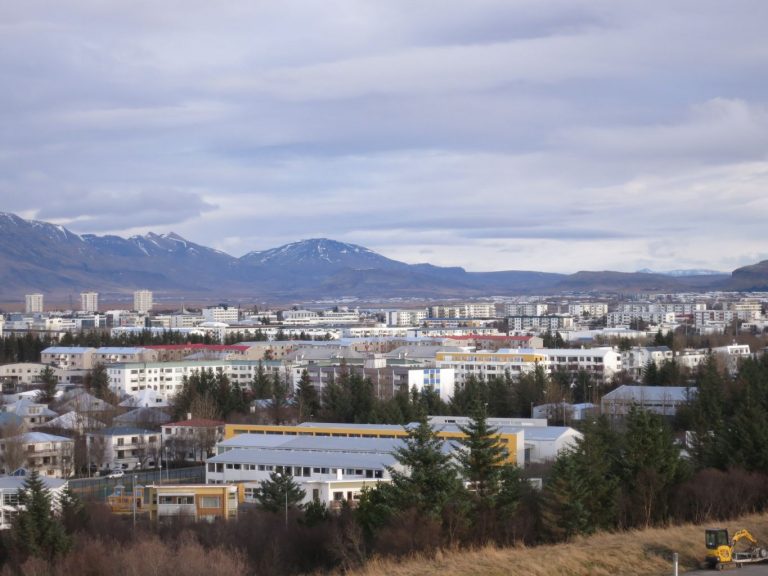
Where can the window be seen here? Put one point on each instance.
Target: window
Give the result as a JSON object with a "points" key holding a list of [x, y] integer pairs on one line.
{"points": [[210, 502], [211, 467], [338, 496]]}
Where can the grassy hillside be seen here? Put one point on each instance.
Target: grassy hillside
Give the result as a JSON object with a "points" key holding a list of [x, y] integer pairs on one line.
{"points": [[636, 553]]}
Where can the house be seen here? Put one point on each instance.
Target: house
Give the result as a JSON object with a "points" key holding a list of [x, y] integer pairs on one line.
{"points": [[68, 357], [142, 418], [83, 402], [50, 455], [74, 422], [123, 447], [663, 400], [192, 440], [9, 495], [32, 413]]}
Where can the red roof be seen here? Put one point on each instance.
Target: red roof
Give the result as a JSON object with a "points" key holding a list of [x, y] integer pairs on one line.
{"points": [[489, 337], [209, 347], [197, 423]]}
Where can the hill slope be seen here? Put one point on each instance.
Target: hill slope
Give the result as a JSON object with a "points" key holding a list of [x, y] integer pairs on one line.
{"points": [[635, 553]]}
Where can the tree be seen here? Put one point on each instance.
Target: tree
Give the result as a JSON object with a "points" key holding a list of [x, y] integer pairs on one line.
{"points": [[426, 479], [36, 530], [14, 456], [278, 492], [564, 512], [48, 380], [72, 512], [481, 456], [306, 397], [97, 383], [279, 400]]}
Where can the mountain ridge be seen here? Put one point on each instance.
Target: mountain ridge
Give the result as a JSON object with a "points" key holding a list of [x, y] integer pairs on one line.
{"points": [[44, 257]]}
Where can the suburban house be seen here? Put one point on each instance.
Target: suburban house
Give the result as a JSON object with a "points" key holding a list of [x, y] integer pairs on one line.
{"points": [[31, 412], [50, 455], [126, 448], [192, 440]]}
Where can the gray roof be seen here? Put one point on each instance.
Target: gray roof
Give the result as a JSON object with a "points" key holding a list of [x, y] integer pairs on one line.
{"points": [[397, 427], [313, 443], [122, 431], [36, 437], [17, 482], [67, 350], [142, 416], [651, 393], [304, 458], [119, 350]]}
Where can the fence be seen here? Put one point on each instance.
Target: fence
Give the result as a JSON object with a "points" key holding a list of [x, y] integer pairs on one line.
{"points": [[99, 488]]}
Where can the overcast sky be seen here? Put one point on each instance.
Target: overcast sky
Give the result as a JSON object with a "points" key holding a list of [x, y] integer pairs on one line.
{"points": [[554, 135]]}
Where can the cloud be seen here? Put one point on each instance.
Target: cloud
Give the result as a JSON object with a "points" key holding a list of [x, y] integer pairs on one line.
{"points": [[556, 134]]}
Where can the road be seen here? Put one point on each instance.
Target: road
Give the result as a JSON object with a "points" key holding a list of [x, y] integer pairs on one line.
{"points": [[754, 570]]}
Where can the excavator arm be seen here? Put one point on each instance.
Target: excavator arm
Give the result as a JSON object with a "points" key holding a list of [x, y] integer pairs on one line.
{"points": [[741, 535]]}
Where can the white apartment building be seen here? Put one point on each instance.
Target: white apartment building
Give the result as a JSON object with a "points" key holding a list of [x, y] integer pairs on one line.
{"points": [[142, 301], [407, 317], [732, 355], [470, 310], [485, 364], [592, 309], [526, 309], [332, 317], [299, 317], [541, 323], [626, 318], [89, 301], [33, 303], [441, 380], [167, 378], [225, 314]]}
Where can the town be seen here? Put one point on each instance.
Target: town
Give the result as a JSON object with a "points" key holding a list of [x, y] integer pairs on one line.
{"points": [[205, 414]]}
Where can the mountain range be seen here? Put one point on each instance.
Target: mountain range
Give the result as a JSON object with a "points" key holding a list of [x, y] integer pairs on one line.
{"points": [[42, 257]]}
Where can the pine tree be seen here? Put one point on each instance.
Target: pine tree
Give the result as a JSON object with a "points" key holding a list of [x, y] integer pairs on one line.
{"points": [[72, 511], [48, 380], [306, 396], [564, 501], [426, 479], [481, 455], [279, 491], [36, 530]]}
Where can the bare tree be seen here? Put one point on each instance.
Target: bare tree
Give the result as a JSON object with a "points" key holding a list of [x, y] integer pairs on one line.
{"points": [[67, 458], [13, 455]]}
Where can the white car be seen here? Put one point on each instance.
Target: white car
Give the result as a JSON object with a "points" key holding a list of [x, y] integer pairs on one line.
{"points": [[116, 474]]}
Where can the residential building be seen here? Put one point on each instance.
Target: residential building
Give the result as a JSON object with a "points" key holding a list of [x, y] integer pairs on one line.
{"points": [[553, 323], [440, 380], [33, 303], [485, 364], [10, 486], [68, 357], [89, 301], [32, 413], [50, 455], [635, 360], [192, 440], [225, 314], [142, 301], [407, 317], [123, 447], [526, 309], [298, 317], [589, 309], [731, 355]]}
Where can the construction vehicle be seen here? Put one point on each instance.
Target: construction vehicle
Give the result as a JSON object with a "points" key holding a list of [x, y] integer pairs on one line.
{"points": [[723, 552]]}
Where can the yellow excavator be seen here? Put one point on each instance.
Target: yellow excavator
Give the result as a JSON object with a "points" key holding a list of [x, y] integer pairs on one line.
{"points": [[722, 551]]}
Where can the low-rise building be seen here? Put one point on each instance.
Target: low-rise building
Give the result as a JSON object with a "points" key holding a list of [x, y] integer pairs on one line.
{"points": [[192, 501], [662, 400], [192, 440], [50, 455], [124, 448], [10, 486]]}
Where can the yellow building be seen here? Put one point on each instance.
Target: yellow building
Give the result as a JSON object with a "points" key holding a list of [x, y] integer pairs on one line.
{"points": [[485, 364], [194, 501], [513, 439]]}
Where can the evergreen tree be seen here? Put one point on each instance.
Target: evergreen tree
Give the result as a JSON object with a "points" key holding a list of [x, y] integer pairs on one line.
{"points": [[36, 530], [651, 374], [260, 386], [48, 380], [429, 480], [564, 501], [73, 513], [707, 419], [279, 401], [306, 397], [97, 383], [481, 455], [279, 491]]}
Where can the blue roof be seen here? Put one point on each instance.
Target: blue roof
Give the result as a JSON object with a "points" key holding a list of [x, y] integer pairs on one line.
{"points": [[304, 458], [119, 350]]}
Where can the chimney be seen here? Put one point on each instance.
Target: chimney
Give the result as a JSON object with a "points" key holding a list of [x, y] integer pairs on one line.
{"points": [[339, 474]]}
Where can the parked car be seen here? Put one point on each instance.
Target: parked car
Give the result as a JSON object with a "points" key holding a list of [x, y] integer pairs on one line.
{"points": [[116, 474]]}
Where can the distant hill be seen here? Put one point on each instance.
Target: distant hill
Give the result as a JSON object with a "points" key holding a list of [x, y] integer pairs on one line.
{"points": [[39, 256], [754, 277]]}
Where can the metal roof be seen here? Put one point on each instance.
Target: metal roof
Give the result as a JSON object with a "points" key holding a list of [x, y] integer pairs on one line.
{"points": [[304, 458]]}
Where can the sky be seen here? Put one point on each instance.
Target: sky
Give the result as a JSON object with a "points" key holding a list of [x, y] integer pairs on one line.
{"points": [[553, 135]]}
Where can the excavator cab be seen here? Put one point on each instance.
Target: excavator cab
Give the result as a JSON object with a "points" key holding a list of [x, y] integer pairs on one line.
{"points": [[719, 549]]}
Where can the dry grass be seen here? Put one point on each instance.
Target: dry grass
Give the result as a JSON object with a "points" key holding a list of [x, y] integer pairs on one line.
{"points": [[636, 553]]}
